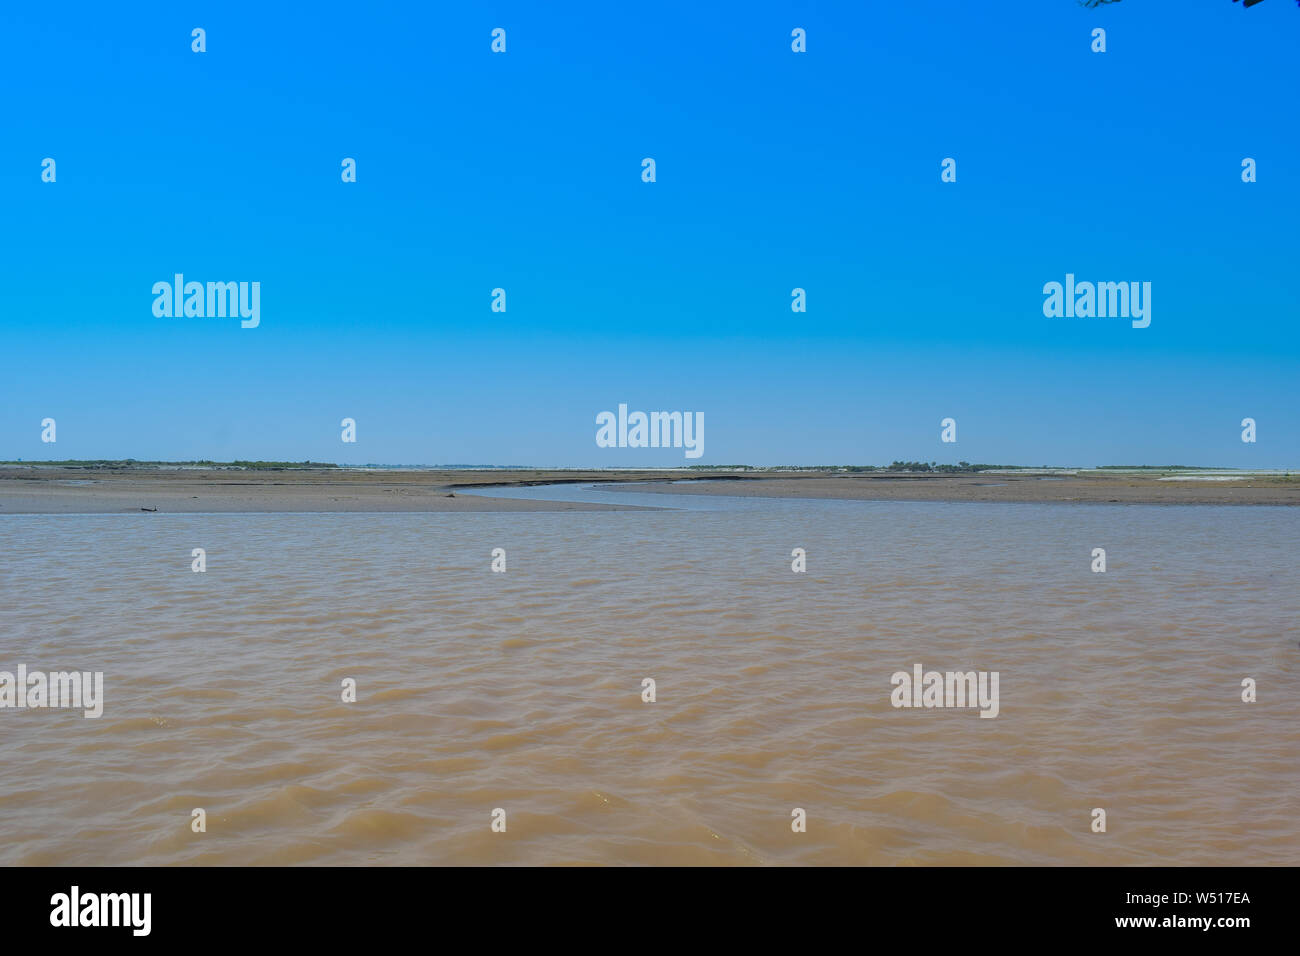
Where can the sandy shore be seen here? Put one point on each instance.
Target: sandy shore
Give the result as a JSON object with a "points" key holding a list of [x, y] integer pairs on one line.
{"points": [[188, 491], [1092, 487], [50, 490]]}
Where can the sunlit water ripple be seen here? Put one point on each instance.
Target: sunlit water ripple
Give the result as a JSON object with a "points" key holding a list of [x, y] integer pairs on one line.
{"points": [[522, 690]]}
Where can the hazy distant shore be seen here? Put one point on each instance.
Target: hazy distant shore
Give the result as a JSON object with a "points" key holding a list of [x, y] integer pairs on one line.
{"points": [[57, 490]]}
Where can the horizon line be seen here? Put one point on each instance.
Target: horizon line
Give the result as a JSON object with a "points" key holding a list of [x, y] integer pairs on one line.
{"points": [[906, 466]]}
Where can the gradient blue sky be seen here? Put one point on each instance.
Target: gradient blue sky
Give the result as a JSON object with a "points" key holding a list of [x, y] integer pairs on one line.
{"points": [[775, 170]]}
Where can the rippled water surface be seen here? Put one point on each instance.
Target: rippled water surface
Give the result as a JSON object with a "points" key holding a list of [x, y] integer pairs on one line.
{"points": [[522, 690]]}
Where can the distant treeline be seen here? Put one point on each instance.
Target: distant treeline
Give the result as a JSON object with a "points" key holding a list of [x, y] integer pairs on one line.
{"points": [[930, 466], [272, 465], [132, 463], [961, 466]]}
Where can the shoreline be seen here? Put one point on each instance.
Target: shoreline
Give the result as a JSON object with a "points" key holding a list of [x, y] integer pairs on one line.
{"points": [[1000, 487], [71, 490], [51, 490]]}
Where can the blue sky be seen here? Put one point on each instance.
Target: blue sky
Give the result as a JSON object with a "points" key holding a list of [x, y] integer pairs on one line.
{"points": [[775, 170]]}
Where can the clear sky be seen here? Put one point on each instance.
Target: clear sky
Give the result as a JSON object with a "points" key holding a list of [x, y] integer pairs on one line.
{"points": [[775, 170]]}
